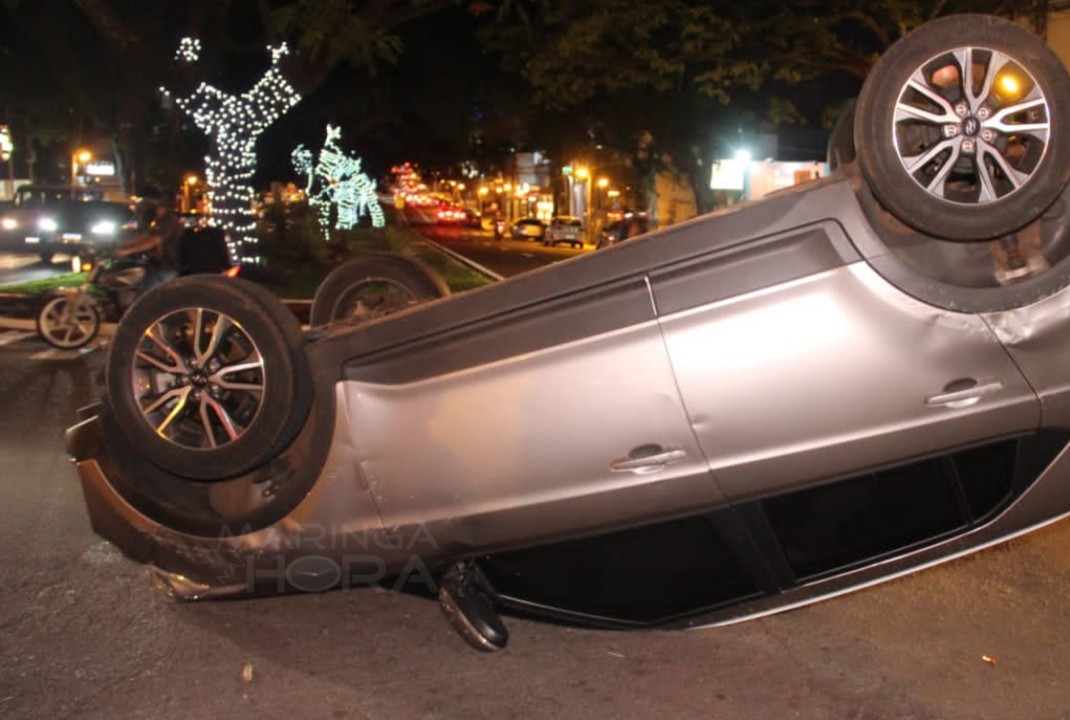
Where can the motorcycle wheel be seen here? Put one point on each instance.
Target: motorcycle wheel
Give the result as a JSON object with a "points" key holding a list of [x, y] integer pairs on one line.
{"points": [[68, 322]]}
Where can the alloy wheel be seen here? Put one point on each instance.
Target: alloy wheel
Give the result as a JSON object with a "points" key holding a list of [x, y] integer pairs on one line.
{"points": [[199, 378], [971, 126]]}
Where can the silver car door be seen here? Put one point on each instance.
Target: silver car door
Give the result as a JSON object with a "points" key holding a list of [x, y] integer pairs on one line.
{"points": [[563, 419], [791, 381]]}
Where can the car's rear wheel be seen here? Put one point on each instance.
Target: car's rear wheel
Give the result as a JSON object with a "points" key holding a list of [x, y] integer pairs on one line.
{"points": [[207, 377], [373, 286], [841, 148], [959, 128], [68, 321]]}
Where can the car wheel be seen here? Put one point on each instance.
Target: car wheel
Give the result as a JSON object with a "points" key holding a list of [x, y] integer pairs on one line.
{"points": [[68, 325], [207, 377], [373, 286], [46, 257], [959, 128]]}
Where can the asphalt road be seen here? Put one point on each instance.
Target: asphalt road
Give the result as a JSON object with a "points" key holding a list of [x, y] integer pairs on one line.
{"points": [[506, 257], [23, 268], [83, 634]]}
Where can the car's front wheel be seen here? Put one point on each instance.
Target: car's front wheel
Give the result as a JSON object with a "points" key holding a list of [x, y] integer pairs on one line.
{"points": [[207, 377], [959, 128]]}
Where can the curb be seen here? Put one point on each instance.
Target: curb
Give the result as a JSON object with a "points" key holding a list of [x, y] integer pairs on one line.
{"points": [[457, 257]]}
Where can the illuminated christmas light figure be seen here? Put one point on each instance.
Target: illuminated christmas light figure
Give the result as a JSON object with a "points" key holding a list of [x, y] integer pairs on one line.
{"points": [[342, 185], [234, 123]]}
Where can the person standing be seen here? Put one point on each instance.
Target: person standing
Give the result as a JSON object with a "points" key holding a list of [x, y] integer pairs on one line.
{"points": [[160, 242]]}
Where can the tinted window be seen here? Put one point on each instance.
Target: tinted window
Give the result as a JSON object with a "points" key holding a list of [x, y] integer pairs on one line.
{"points": [[840, 524], [640, 575], [986, 474]]}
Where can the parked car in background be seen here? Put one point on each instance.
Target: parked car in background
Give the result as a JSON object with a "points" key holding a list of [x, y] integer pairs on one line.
{"points": [[450, 215], [566, 229], [529, 228], [472, 219]]}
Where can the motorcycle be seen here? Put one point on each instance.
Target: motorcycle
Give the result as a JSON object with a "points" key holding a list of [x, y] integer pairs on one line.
{"points": [[71, 318]]}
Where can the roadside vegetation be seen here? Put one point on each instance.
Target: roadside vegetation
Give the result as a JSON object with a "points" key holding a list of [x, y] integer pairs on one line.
{"points": [[296, 255]]}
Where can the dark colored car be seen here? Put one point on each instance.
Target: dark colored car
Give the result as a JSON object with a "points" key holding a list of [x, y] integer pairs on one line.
{"points": [[746, 412], [632, 225], [45, 223]]}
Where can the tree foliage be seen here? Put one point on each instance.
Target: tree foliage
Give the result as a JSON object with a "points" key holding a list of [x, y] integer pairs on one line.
{"points": [[573, 51], [105, 60], [683, 73]]}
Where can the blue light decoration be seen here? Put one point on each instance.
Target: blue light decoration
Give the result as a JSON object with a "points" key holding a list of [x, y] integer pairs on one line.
{"points": [[342, 186], [233, 124]]}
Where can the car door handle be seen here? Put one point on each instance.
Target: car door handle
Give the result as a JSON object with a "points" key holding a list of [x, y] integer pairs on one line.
{"points": [[647, 459], [963, 393]]}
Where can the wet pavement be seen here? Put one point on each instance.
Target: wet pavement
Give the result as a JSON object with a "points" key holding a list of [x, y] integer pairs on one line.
{"points": [[83, 635]]}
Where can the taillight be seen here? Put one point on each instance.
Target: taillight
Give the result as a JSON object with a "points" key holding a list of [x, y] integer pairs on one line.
{"points": [[232, 271]]}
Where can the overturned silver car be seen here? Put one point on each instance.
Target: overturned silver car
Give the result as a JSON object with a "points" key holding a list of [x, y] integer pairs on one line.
{"points": [[750, 411]]}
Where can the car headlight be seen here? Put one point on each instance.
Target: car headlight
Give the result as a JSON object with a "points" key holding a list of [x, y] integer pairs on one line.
{"points": [[47, 224], [104, 227], [9, 223]]}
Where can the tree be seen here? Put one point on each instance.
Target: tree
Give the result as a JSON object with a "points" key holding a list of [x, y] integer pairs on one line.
{"points": [[714, 65], [129, 47]]}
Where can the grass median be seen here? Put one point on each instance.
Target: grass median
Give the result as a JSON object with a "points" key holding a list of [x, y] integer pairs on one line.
{"points": [[298, 280]]}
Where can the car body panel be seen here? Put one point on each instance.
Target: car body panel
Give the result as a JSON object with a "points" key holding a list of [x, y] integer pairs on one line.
{"points": [[824, 376], [1034, 336], [541, 429]]}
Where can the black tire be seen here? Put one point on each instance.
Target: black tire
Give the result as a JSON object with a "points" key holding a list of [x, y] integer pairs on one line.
{"points": [[373, 286], [947, 192], [264, 398], [67, 329], [841, 150]]}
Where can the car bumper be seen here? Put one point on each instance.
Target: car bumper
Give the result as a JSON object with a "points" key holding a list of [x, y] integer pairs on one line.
{"points": [[331, 537]]}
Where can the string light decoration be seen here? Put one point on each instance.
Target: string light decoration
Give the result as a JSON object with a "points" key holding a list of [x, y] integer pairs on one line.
{"points": [[233, 124], [342, 186]]}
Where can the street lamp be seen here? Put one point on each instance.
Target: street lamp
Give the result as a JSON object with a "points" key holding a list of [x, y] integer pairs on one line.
{"points": [[187, 190], [603, 183], [83, 156], [583, 174]]}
